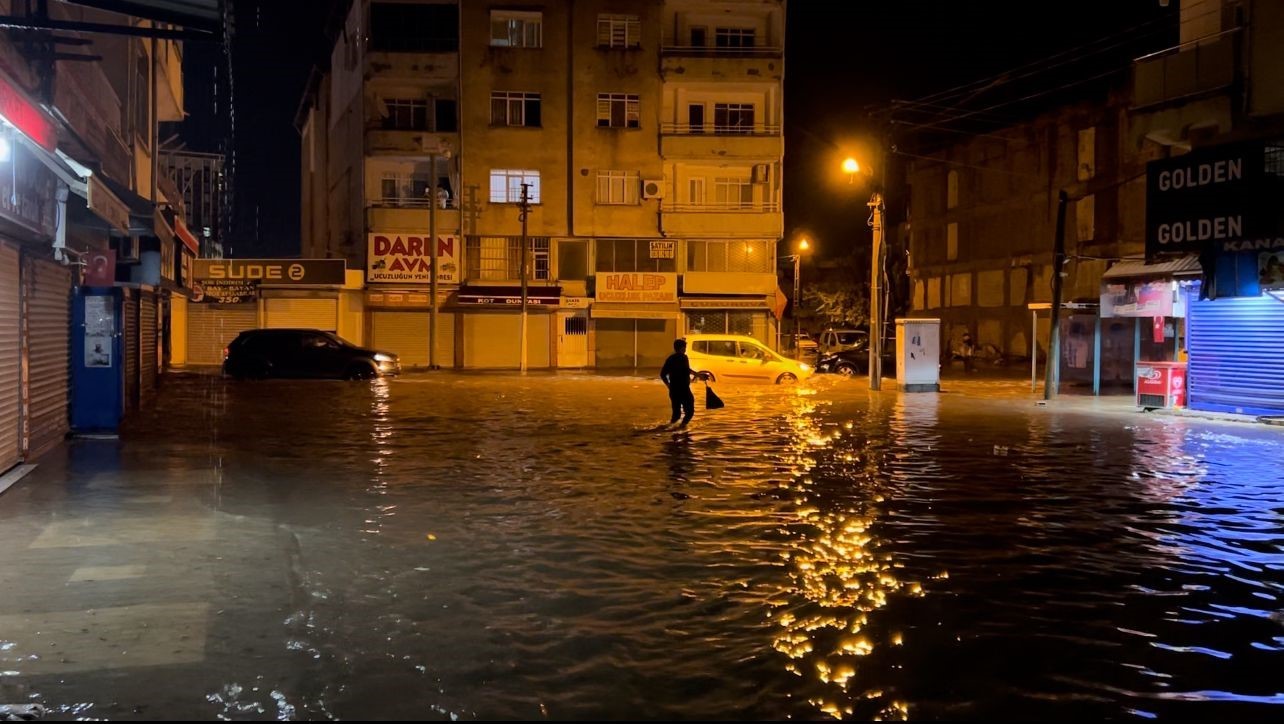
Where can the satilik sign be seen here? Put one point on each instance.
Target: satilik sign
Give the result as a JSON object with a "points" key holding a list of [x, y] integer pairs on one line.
{"points": [[407, 259]]}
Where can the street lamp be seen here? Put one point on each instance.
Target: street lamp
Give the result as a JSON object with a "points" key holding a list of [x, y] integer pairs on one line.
{"points": [[851, 167], [803, 245]]}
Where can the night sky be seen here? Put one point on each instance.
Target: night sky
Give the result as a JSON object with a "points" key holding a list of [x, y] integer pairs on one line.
{"points": [[845, 58]]}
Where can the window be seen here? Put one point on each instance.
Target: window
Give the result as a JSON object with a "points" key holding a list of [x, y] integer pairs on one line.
{"points": [[952, 242], [513, 29], [951, 189], [733, 37], [514, 109], [572, 259], [732, 118], [423, 28], [445, 115], [506, 185], [716, 347], [405, 114], [617, 188], [618, 31], [402, 189], [618, 110], [699, 37], [733, 193], [730, 256], [633, 255], [695, 191], [499, 258]]}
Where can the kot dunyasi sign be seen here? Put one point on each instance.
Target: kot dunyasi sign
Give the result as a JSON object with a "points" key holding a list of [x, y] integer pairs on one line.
{"points": [[406, 259]]}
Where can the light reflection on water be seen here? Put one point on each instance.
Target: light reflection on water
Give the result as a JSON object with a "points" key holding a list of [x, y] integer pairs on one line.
{"points": [[495, 546]]}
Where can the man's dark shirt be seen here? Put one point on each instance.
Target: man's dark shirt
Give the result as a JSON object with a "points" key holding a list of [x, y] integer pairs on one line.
{"points": [[676, 372]]}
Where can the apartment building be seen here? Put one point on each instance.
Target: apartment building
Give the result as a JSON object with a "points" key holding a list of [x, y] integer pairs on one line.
{"points": [[647, 137]]}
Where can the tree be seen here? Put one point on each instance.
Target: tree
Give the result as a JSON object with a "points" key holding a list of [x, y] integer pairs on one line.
{"points": [[837, 300]]}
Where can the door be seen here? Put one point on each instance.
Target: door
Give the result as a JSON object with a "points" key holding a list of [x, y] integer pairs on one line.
{"points": [[10, 381], [318, 355], [756, 363], [699, 36], [572, 339], [48, 354], [695, 117]]}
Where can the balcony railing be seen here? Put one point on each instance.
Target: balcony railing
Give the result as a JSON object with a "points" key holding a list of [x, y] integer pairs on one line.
{"points": [[723, 207], [708, 51], [407, 202], [688, 129], [1198, 66]]}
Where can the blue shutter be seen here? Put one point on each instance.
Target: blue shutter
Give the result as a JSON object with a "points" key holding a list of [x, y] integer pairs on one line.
{"points": [[1237, 355]]}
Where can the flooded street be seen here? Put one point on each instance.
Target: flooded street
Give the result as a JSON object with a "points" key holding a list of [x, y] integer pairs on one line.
{"points": [[491, 546]]}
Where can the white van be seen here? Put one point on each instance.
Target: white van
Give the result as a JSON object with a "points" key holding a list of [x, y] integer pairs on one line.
{"points": [[736, 358]]}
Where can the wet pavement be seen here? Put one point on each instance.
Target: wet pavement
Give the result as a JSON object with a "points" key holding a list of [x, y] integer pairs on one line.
{"points": [[490, 546]]}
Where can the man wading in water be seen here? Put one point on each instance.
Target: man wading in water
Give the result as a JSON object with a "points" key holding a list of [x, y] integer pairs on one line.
{"points": [[677, 376]]}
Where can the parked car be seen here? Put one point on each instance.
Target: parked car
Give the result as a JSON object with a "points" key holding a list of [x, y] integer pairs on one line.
{"points": [[837, 340], [855, 361], [807, 346], [735, 358], [261, 353]]}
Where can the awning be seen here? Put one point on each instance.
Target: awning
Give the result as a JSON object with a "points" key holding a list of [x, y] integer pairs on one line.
{"points": [[632, 310], [141, 211], [1182, 266], [185, 236]]}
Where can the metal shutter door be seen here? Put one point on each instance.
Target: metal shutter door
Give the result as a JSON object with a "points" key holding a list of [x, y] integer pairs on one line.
{"points": [[10, 444], [445, 339], [129, 330], [211, 327], [147, 343], [538, 331], [490, 340], [614, 340], [302, 314], [48, 354], [1237, 355], [405, 334]]}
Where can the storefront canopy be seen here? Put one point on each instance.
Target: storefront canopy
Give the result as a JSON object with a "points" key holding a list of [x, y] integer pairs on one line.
{"points": [[1181, 266]]}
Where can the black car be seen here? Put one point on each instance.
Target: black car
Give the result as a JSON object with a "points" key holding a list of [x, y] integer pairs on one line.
{"points": [[262, 353], [852, 362]]}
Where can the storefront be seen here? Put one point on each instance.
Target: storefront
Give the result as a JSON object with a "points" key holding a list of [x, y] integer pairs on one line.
{"points": [[399, 282], [399, 322], [10, 358], [749, 316], [1224, 204], [635, 318], [490, 322], [212, 326]]}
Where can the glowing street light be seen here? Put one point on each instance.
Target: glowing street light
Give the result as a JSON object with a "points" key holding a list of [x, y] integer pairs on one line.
{"points": [[851, 168], [803, 245]]}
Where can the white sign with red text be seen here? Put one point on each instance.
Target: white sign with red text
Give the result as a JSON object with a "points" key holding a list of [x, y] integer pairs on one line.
{"points": [[395, 258]]}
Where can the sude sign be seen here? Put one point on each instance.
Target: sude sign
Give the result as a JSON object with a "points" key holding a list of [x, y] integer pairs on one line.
{"points": [[272, 271], [1208, 197]]}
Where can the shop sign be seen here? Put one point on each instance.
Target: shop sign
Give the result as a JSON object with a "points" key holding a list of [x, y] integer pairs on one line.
{"points": [[1249, 267], [26, 116], [272, 271], [723, 304], [637, 287], [510, 296], [107, 205], [1210, 196], [407, 259], [1137, 299], [224, 291], [27, 192], [576, 302]]}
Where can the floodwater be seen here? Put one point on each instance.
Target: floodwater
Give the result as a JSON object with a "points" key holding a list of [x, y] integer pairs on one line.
{"points": [[491, 546]]}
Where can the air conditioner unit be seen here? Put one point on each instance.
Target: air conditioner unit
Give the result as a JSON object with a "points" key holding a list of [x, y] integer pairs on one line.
{"points": [[760, 172], [653, 189]]}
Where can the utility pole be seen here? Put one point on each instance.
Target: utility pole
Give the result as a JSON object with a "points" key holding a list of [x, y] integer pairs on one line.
{"points": [[875, 293], [1052, 371], [525, 206], [432, 255], [797, 288]]}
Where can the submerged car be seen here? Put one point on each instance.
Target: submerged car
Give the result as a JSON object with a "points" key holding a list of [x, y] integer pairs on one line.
{"points": [[308, 353], [736, 358]]}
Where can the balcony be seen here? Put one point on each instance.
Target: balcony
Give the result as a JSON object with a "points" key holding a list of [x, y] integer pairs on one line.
{"points": [[683, 140], [705, 51], [382, 142], [416, 65], [711, 220], [410, 216], [751, 64], [1185, 71]]}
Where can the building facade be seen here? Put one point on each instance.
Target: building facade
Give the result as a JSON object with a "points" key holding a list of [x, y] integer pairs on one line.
{"points": [[647, 137]]}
